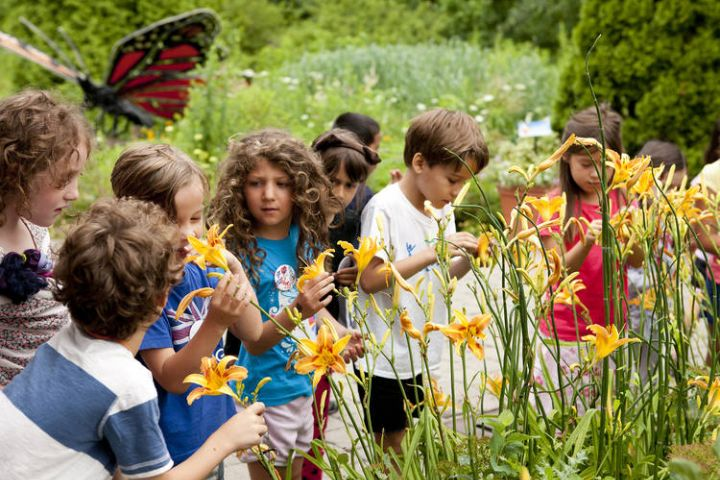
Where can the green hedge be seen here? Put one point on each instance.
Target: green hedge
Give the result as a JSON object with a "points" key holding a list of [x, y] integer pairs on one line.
{"points": [[656, 63]]}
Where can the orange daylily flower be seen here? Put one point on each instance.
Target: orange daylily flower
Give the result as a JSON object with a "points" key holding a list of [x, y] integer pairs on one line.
{"points": [[483, 248], [322, 355], [606, 340], [210, 250], [713, 403], [407, 326], [557, 155], [467, 331], [547, 207], [314, 269], [200, 292], [435, 397], [627, 170], [366, 251], [215, 377]]}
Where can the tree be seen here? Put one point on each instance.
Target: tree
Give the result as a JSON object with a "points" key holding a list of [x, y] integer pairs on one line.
{"points": [[656, 63]]}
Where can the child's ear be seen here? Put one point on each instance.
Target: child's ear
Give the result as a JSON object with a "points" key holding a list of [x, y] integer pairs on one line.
{"points": [[418, 163]]}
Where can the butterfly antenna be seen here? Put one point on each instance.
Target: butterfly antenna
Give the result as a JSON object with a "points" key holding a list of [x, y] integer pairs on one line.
{"points": [[54, 46], [74, 49]]}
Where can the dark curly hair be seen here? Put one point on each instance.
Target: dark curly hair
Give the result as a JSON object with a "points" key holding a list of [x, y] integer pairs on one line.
{"points": [[314, 205], [116, 265], [37, 133]]}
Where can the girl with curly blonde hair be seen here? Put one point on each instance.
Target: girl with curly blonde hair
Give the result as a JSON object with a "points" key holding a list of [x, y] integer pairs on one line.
{"points": [[44, 145], [277, 202]]}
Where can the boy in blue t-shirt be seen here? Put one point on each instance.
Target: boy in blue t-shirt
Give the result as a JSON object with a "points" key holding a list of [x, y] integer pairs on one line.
{"points": [[84, 408]]}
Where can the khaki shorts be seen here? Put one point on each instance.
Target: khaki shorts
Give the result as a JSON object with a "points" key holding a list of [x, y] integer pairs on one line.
{"points": [[290, 427]]}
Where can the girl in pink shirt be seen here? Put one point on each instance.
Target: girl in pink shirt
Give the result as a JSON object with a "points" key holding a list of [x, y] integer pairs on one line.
{"points": [[561, 333]]}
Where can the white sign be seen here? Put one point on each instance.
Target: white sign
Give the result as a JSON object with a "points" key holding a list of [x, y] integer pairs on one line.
{"points": [[537, 128]]}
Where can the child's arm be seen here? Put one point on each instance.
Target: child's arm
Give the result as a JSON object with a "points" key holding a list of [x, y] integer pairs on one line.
{"points": [[314, 297], [244, 430], [575, 257], [373, 279], [228, 305]]}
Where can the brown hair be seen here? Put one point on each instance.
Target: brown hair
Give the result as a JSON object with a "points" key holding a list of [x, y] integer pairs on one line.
{"points": [[585, 124], [314, 205], [366, 128], [154, 173], [444, 137], [664, 153], [37, 133], [338, 147], [111, 273], [712, 152]]}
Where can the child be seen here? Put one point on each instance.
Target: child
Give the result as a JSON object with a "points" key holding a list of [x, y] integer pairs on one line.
{"points": [[434, 143], [84, 407], [580, 181], [44, 145], [273, 192], [667, 155], [173, 347], [367, 130]]}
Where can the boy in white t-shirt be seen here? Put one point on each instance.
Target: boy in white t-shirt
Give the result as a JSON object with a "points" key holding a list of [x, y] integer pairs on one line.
{"points": [[85, 408], [434, 143]]}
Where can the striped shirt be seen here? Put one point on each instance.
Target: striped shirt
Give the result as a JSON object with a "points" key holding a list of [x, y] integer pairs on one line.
{"points": [[82, 408]]}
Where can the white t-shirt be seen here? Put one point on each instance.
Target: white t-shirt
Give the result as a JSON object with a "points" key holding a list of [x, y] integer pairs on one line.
{"points": [[82, 408], [405, 232]]}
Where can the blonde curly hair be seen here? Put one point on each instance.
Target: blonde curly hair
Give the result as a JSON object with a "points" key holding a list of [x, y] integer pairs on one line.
{"points": [[313, 203]]}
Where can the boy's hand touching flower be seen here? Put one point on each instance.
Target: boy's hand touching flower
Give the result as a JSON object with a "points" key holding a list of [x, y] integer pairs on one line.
{"points": [[461, 244]]}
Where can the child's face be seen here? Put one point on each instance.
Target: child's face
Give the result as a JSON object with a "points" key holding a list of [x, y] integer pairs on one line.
{"points": [[189, 213], [268, 193], [343, 188], [441, 183], [50, 193], [584, 170]]}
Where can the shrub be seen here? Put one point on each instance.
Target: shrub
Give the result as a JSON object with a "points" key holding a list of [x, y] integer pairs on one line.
{"points": [[656, 63]]}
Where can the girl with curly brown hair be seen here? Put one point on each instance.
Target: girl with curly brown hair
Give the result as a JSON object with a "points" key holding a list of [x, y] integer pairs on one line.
{"points": [[274, 196], [44, 145]]}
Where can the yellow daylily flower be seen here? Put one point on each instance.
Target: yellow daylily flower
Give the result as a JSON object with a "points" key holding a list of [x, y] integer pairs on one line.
{"points": [[568, 289], [606, 340], [495, 384], [547, 207], [210, 250], [407, 326], [483, 249], [366, 251], [713, 403], [467, 331], [643, 187], [627, 170], [591, 143], [215, 377], [314, 269], [557, 155], [435, 397], [557, 267], [200, 292], [461, 194], [322, 355], [390, 268]]}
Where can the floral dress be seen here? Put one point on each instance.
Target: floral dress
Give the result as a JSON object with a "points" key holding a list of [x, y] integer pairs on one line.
{"points": [[26, 325]]}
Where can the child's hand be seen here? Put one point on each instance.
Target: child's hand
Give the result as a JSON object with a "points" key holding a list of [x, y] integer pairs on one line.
{"points": [[461, 243], [395, 175], [229, 301], [354, 348], [234, 264], [247, 428], [315, 295], [346, 276], [593, 232]]}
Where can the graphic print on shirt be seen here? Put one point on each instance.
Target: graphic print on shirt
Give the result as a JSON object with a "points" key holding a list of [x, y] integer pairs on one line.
{"points": [[285, 285], [185, 327]]}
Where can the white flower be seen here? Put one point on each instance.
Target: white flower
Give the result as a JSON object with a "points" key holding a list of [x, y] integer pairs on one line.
{"points": [[520, 86], [506, 88], [434, 101], [473, 108], [421, 106], [304, 117], [488, 98], [479, 118], [198, 137]]}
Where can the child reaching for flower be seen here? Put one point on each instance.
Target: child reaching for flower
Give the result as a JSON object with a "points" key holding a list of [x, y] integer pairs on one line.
{"points": [[175, 344], [44, 145], [276, 200], [584, 303]]}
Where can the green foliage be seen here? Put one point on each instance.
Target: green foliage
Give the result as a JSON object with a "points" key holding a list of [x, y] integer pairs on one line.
{"points": [[656, 63]]}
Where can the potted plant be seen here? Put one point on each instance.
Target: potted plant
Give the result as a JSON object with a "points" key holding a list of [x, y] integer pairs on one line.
{"points": [[523, 153]]}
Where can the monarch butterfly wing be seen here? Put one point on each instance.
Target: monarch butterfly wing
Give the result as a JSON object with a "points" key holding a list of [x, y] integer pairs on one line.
{"points": [[36, 56], [151, 67]]}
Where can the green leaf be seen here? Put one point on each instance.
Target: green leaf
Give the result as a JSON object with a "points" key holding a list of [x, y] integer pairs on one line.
{"points": [[577, 437]]}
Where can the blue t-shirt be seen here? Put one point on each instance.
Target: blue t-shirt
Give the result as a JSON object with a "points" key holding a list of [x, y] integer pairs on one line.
{"points": [[276, 290], [186, 427]]}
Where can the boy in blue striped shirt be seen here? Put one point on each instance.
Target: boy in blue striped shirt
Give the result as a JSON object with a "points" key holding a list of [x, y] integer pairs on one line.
{"points": [[85, 408]]}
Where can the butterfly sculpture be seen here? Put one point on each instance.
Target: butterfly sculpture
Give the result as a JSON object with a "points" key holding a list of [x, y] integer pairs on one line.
{"points": [[149, 73]]}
